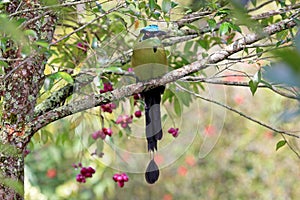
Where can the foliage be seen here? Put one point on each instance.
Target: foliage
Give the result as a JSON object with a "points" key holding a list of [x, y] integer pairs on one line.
{"points": [[89, 57]]}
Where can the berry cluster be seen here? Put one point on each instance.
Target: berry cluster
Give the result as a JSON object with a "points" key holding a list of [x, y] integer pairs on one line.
{"points": [[106, 88], [120, 179], [85, 172], [124, 120], [108, 107], [102, 133], [174, 131]]}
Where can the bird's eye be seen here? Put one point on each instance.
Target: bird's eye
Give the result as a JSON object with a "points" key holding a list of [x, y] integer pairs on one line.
{"points": [[154, 49]]}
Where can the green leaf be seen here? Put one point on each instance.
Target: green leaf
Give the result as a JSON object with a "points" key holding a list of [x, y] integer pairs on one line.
{"points": [[67, 77], [259, 51], [235, 27], [4, 64], [212, 24], [167, 18], [10, 27], [164, 117], [204, 44], [64, 75], [156, 15], [174, 4], [280, 144], [152, 4], [253, 86], [30, 32], [42, 43], [177, 107], [224, 11], [224, 28], [142, 5], [188, 46], [257, 76], [255, 81], [166, 6], [191, 26]]}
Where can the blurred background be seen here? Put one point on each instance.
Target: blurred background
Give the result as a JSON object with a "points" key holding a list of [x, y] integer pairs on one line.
{"points": [[217, 154], [243, 164]]}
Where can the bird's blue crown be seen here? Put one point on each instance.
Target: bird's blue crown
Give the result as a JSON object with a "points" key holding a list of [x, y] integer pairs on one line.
{"points": [[151, 28]]}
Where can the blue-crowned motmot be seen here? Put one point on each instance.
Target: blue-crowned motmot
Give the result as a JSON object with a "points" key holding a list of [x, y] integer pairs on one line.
{"points": [[149, 61]]}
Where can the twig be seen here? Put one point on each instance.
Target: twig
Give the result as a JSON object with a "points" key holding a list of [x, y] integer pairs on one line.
{"points": [[92, 21], [192, 17], [240, 113], [53, 6], [26, 23], [260, 6], [237, 83], [290, 146], [18, 66]]}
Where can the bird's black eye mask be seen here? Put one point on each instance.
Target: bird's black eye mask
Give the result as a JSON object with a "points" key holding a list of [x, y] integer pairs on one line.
{"points": [[151, 34]]}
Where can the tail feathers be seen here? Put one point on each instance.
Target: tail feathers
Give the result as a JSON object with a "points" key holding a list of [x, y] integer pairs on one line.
{"points": [[152, 172], [152, 113], [152, 143]]}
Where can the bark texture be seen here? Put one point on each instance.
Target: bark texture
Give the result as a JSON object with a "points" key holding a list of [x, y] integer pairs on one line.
{"points": [[21, 86]]}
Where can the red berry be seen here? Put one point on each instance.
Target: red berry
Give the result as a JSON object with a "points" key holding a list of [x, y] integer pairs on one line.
{"points": [[120, 178], [115, 177], [106, 88], [121, 184], [95, 135], [75, 166], [136, 96], [98, 134], [138, 113], [83, 171], [174, 131], [113, 106], [125, 177], [107, 131], [91, 170], [171, 130], [80, 178]]}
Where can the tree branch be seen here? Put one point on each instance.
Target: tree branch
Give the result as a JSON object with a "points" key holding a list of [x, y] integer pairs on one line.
{"points": [[275, 12], [95, 100], [238, 83]]}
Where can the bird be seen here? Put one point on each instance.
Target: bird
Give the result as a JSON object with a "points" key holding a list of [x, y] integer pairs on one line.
{"points": [[149, 61]]}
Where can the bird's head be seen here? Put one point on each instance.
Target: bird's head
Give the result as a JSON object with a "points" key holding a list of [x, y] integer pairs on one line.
{"points": [[151, 31]]}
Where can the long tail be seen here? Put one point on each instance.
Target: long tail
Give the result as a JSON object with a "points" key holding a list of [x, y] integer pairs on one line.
{"points": [[154, 132]]}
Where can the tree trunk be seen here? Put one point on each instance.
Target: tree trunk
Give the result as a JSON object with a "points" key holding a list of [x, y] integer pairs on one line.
{"points": [[12, 173], [20, 88]]}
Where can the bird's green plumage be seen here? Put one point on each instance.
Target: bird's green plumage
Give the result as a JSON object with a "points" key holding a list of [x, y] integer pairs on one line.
{"points": [[149, 59]]}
